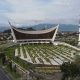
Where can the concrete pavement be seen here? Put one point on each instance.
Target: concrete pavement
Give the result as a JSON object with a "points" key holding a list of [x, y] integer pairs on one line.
{"points": [[4, 75]]}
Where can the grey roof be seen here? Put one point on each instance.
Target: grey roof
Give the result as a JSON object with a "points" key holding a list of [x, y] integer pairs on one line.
{"points": [[35, 32]]}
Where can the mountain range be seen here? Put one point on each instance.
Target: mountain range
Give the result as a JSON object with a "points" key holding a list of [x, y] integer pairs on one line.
{"points": [[62, 27]]}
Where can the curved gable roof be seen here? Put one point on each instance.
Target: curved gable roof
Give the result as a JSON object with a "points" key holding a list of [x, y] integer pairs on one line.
{"points": [[35, 32], [19, 34]]}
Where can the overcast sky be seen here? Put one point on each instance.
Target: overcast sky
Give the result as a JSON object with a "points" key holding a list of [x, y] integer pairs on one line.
{"points": [[33, 11]]}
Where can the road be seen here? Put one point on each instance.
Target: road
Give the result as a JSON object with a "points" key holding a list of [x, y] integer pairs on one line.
{"points": [[3, 75]]}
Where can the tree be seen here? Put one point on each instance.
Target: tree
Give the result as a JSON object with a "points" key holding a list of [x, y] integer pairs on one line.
{"points": [[70, 70]]}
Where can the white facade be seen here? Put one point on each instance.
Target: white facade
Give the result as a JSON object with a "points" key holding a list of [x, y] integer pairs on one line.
{"points": [[12, 32], [79, 36], [55, 33]]}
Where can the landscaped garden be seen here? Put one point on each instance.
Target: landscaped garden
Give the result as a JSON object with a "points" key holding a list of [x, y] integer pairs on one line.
{"points": [[47, 54], [43, 58]]}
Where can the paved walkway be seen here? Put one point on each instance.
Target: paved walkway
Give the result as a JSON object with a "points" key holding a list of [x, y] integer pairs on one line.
{"points": [[3, 75]]}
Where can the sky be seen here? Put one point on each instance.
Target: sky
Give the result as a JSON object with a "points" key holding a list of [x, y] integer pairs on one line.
{"points": [[20, 12]]}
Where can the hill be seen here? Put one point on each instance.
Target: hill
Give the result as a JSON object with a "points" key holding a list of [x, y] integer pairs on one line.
{"points": [[62, 27]]}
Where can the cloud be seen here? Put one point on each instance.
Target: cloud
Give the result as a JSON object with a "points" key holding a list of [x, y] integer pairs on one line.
{"points": [[21, 11]]}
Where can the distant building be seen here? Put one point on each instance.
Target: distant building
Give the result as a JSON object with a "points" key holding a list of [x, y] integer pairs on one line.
{"points": [[3, 37], [79, 35]]}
